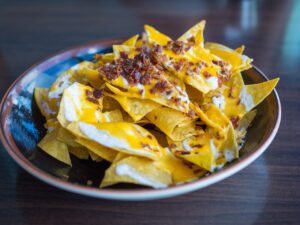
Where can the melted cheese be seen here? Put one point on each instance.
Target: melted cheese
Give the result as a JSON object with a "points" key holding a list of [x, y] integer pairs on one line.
{"points": [[126, 137]]}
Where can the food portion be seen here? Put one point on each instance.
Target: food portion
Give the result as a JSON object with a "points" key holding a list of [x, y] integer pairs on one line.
{"points": [[162, 112]]}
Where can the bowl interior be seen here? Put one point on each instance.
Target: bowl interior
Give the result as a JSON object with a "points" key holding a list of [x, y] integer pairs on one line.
{"points": [[22, 123]]}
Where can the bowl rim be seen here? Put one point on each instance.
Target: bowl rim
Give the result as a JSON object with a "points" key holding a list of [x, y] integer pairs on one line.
{"points": [[122, 194]]}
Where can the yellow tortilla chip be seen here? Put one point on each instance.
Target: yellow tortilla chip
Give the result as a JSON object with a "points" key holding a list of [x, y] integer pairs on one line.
{"points": [[97, 149], [196, 31], [83, 72], [79, 104], [80, 152], [180, 170], [154, 36], [136, 170], [55, 148], [66, 137], [243, 125], [253, 94], [171, 97], [47, 107], [238, 61], [240, 49], [131, 41], [175, 124], [213, 117], [95, 157], [136, 108], [120, 136], [199, 149]]}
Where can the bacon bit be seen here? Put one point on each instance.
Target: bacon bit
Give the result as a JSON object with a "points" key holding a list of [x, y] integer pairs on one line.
{"points": [[218, 135], [157, 48], [178, 66], [187, 48], [176, 101], [90, 99], [202, 64], [207, 74], [181, 152], [216, 62], [160, 86], [191, 40], [123, 55], [189, 165], [220, 82], [169, 92], [176, 46], [97, 93], [141, 91], [197, 146], [145, 145], [88, 93], [97, 56], [191, 113], [231, 93], [149, 136], [60, 83], [197, 171], [145, 79], [235, 121], [238, 102], [197, 70], [156, 76], [134, 77], [155, 117], [172, 145]]}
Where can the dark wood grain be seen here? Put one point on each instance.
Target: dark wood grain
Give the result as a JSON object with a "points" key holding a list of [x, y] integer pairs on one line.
{"points": [[266, 192]]}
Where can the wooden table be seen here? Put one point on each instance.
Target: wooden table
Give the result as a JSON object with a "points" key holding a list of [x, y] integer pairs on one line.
{"points": [[266, 192]]}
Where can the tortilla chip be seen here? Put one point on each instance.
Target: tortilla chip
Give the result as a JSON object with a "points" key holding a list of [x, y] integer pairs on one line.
{"points": [[119, 87], [136, 108], [253, 94], [131, 41], [55, 148], [213, 117], [97, 149], [154, 36], [80, 152], [83, 72], [120, 136], [95, 157], [200, 150], [47, 107], [240, 49], [243, 125], [136, 170], [196, 31], [238, 61], [77, 104], [175, 124], [180, 170]]}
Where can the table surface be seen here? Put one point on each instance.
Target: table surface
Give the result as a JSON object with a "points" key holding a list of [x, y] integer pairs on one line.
{"points": [[266, 192]]}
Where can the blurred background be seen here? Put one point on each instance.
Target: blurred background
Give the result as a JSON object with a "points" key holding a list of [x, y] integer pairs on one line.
{"points": [[266, 192]]}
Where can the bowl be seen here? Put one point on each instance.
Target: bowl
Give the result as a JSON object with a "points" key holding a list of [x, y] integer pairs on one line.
{"points": [[21, 128]]}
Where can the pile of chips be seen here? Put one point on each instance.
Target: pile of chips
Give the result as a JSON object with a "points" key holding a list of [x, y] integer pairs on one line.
{"points": [[161, 111]]}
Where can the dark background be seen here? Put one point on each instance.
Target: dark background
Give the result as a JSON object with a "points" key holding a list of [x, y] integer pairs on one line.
{"points": [[266, 192]]}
